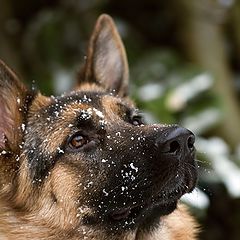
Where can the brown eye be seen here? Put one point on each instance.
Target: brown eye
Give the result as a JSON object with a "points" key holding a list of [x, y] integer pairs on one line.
{"points": [[77, 141]]}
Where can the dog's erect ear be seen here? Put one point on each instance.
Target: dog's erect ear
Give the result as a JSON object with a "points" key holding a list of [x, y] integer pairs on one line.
{"points": [[106, 62], [12, 99]]}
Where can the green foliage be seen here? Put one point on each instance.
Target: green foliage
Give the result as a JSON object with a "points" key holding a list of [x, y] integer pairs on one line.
{"points": [[171, 89]]}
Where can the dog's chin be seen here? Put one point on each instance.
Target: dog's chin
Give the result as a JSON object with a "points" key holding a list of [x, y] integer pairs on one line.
{"points": [[148, 214], [145, 214], [145, 211]]}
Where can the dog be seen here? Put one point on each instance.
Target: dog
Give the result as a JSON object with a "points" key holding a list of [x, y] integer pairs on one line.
{"points": [[84, 165]]}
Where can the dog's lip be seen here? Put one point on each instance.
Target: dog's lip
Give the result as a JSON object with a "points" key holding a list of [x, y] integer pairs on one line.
{"points": [[161, 199], [126, 212], [120, 214], [136, 211]]}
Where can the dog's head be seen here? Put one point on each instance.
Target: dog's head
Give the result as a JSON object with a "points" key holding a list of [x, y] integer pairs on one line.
{"points": [[86, 157]]}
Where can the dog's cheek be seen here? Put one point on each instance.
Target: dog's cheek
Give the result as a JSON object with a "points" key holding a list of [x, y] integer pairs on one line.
{"points": [[73, 185], [75, 192], [64, 186]]}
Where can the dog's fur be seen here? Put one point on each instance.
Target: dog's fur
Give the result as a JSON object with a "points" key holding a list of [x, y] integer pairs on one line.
{"points": [[83, 165]]}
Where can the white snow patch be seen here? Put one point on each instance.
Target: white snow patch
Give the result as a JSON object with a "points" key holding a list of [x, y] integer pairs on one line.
{"points": [[60, 150], [98, 113], [23, 126], [56, 113], [105, 192], [3, 152], [133, 167], [118, 134]]}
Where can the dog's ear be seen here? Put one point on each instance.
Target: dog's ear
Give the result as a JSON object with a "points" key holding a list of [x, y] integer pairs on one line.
{"points": [[13, 95], [106, 62]]}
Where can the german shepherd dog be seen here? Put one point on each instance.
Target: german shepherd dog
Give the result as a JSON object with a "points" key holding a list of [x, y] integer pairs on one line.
{"points": [[84, 165]]}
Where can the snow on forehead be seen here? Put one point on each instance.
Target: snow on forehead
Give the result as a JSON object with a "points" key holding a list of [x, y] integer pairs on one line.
{"points": [[98, 113], [88, 100], [87, 113]]}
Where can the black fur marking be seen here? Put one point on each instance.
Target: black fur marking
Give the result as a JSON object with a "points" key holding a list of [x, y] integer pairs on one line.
{"points": [[40, 163], [152, 217], [60, 103]]}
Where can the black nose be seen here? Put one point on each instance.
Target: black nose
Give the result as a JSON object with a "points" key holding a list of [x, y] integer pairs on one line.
{"points": [[176, 140]]}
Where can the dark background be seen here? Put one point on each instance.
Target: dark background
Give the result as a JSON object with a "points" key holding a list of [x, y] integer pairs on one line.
{"points": [[184, 59]]}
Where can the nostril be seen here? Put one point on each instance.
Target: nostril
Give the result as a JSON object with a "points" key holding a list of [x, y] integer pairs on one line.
{"points": [[177, 140], [174, 147], [190, 142]]}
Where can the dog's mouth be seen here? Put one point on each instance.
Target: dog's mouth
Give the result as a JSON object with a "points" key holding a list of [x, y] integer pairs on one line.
{"points": [[144, 208], [125, 213], [146, 214], [161, 204]]}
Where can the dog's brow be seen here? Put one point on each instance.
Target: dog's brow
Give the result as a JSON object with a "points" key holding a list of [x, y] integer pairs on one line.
{"points": [[84, 118]]}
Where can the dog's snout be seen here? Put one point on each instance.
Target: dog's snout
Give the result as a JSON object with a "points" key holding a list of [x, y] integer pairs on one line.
{"points": [[177, 141]]}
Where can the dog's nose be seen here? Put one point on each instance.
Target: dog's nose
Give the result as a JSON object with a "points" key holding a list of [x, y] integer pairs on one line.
{"points": [[177, 141]]}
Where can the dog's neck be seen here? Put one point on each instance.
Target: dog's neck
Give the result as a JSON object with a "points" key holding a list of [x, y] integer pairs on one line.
{"points": [[17, 226]]}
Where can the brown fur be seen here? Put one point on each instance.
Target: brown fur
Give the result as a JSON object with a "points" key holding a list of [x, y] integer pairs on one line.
{"points": [[49, 190]]}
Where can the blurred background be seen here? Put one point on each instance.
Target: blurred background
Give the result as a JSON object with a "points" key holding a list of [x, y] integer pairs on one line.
{"points": [[184, 59]]}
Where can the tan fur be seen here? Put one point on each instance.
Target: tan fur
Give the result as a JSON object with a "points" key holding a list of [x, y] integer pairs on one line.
{"points": [[113, 106], [178, 225]]}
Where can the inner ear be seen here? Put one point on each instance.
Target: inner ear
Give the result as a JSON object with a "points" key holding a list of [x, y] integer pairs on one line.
{"points": [[13, 99], [106, 63]]}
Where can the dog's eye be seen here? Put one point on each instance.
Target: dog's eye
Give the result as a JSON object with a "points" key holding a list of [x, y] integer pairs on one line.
{"points": [[137, 120], [77, 141]]}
